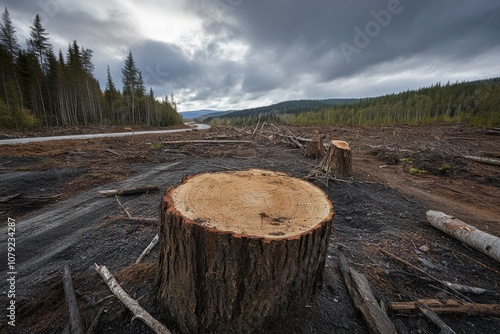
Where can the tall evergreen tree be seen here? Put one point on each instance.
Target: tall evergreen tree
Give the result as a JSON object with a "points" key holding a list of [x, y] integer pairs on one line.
{"points": [[8, 35], [130, 75], [39, 42]]}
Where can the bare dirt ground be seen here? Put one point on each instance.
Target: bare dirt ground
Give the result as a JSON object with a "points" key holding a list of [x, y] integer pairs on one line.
{"points": [[399, 174]]}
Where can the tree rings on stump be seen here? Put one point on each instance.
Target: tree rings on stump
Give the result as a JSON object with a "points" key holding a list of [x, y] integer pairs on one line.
{"points": [[241, 249]]}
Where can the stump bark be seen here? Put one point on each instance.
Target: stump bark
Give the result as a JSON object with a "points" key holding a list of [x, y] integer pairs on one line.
{"points": [[338, 159], [315, 148], [241, 249]]}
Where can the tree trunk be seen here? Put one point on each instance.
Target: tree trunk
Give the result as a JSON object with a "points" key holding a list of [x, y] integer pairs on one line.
{"points": [[338, 159], [481, 241], [239, 250], [315, 149]]}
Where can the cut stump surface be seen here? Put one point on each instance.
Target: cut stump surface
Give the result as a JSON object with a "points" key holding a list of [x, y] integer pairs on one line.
{"points": [[241, 249]]}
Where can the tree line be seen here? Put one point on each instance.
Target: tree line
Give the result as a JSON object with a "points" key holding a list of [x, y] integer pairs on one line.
{"points": [[40, 88], [476, 103]]}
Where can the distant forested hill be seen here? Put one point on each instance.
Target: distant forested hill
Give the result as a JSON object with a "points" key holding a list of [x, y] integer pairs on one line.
{"points": [[287, 107], [474, 102]]}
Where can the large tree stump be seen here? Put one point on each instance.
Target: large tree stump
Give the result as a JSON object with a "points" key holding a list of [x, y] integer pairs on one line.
{"points": [[338, 159], [241, 249]]}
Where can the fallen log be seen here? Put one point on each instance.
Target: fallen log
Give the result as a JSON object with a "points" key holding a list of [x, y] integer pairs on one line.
{"points": [[75, 322], [483, 160], [447, 307], [445, 329], [364, 300], [148, 249], [481, 241], [129, 302], [127, 191]]}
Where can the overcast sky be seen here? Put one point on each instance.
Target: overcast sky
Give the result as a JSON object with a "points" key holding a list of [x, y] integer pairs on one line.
{"points": [[234, 54]]}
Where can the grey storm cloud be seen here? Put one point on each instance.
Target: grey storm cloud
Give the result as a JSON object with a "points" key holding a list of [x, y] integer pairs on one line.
{"points": [[317, 48], [163, 62]]}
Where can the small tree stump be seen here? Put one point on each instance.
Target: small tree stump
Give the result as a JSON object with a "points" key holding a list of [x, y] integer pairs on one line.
{"points": [[315, 148], [338, 159], [241, 249]]}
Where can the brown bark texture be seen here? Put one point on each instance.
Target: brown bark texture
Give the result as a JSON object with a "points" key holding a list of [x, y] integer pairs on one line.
{"points": [[315, 149], [215, 280], [338, 159]]}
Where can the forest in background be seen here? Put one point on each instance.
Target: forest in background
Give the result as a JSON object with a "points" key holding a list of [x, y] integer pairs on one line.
{"points": [[38, 88], [475, 103]]}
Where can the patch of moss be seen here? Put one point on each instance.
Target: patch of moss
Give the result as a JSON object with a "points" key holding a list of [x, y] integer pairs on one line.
{"points": [[405, 160], [414, 170], [155, 146]]}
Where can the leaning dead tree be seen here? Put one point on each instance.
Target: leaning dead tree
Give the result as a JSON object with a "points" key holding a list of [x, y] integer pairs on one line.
{"points": [[481, 241], [338, 159], [239, 250]]}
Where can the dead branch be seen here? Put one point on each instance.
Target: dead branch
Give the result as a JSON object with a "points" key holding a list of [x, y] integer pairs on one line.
{"points": [[486, 161], [115, 153], [129, 216], [364, 300], [129, 302], [447, 307], [148, 249], [127, 191], [9, 198], [95, 322], [75, 322], [445, 329], [406, 263], [481, 241], [42, 198]]}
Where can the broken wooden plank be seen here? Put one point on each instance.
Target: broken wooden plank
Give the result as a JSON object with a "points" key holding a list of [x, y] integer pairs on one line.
{"points": [[447, 307], [481, 241], [129, 302], [128, 191], [75, 322], [364, 300]]}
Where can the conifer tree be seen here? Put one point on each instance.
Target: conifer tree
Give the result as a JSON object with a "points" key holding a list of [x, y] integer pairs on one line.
{"points": [[39, 42], [8, 35]]}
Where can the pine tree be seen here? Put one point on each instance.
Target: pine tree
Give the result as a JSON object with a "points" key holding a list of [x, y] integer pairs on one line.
{"points": [[8, 35], [110, 94], [39, 42], [130, 75]]}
